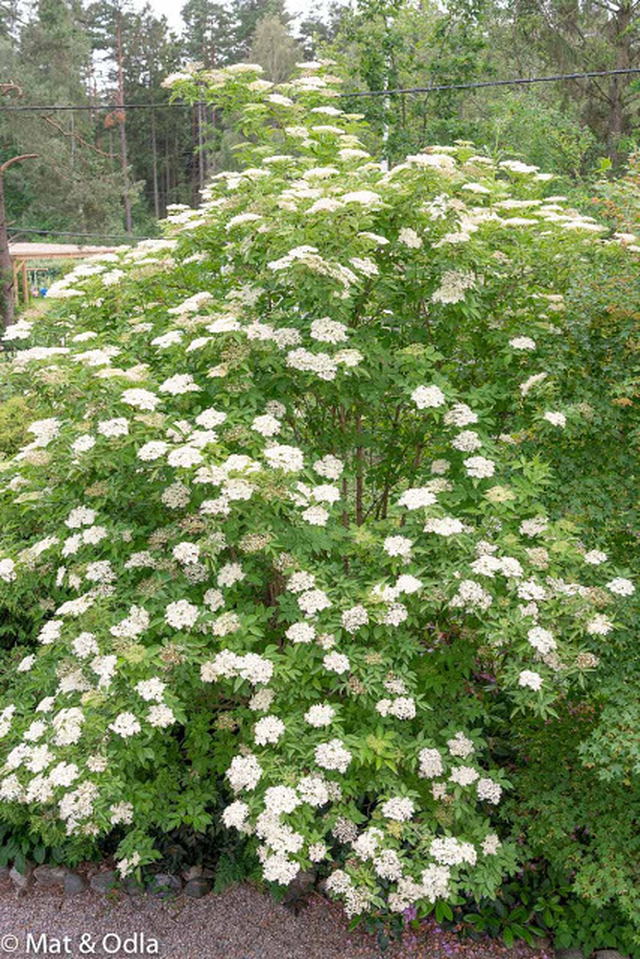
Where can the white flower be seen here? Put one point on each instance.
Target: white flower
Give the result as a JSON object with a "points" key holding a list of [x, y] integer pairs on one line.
{"points": [[319, 715], [83, 444], [266, 425], [398, 546], [230, 574], [301, 633], [328, 331], [531, 382], [417, 497], [460, 745], [313, 601], [210, 418], [7, 570], [522, 343], [594, 557], [398, 809], [621, 586], [142, 399], [336, 663], [352, 619], [235, 815], [278, 868], [541, 639], [459, 415], [267, 730], [409, 238], [333, 755], [453, 285], [122, 812], [479, 467], [185, 457], [329, 466], [426, 397], [467, 441], [125, 725], [445, 526], [115, 427], [244, 773], [81, 516], [181, 615], [287, 458], [599, 626], [463, 775], [451, 852], [555, 418], [535, 526], [316, 515], [186, 553], [151, 690], [152, 450], [530, 679], [489, 790], [431, 764], [490, 844]]}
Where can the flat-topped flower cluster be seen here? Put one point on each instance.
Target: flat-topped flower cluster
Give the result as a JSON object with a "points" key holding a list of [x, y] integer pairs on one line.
{"points": [[266, 494]]}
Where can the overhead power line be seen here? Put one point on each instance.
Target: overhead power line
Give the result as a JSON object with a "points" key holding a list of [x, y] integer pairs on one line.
{"points": [[433, 88]]}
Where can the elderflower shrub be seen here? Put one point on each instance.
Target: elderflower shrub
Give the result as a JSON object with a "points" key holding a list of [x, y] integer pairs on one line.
{"points": [[273, 525]]}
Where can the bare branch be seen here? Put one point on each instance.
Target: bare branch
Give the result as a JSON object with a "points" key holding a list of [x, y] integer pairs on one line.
{"points": [[77, 138], [7, 88], [24, 156]]}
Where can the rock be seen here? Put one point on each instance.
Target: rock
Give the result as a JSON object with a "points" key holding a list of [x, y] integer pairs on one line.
{"points": [[197, 887], [608, 954], [21, 880], [299, 888], [193, 872], [132, 887], [49, 875], [4, 873], [569, 954], [104, 881], [165, 886], [74, 884]]}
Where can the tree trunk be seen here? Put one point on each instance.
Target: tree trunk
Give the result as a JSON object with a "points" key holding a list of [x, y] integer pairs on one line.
{"points": [[617, 123], [7, 303], [123, 136], [6, 267], [154, 154]]}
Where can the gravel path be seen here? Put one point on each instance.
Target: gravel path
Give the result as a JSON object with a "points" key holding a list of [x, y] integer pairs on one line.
{"points": [[242, 923]]}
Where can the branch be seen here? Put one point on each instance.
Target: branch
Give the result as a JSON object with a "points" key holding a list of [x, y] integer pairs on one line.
{"points": [[25, 156], [7, 88], [77, 138]]}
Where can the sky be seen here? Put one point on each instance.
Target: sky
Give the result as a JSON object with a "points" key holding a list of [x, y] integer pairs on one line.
{"points": [[171, 8]]}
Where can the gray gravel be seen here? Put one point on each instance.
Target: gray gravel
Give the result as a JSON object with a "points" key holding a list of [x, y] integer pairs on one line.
{"points": [[242, 923]]}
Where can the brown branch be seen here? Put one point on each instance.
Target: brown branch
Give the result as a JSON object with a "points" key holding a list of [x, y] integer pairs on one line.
{"points": [[6, 88], [77, 138], [24, 156]]}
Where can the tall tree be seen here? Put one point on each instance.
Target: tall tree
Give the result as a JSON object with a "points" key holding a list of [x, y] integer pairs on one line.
{"points": [[249, 13], [210, 35], [274, 49]]}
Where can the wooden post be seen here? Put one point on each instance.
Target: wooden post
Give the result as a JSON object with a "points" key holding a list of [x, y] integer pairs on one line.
{"points": [[25, 283]]}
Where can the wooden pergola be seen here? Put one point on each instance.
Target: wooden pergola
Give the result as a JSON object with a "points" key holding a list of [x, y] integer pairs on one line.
{"points": [[22, 253]]}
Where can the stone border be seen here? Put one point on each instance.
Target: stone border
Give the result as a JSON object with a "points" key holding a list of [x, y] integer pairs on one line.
{"points": [[195, 884]]}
